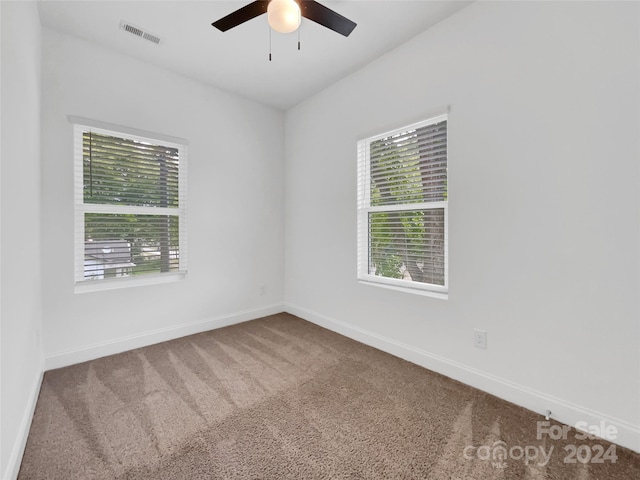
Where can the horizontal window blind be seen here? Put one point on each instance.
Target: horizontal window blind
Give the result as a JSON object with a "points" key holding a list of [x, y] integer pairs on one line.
{"points": [[402, 207], [409, 167], [128, 172], [130, 205], [408, 244], [148, 243]]}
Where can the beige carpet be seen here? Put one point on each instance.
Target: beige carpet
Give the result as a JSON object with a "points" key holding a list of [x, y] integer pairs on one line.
{"points": [[280, 398]]}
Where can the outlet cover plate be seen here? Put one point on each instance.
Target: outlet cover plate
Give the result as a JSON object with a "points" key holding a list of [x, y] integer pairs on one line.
{"points": [[479, 338]]}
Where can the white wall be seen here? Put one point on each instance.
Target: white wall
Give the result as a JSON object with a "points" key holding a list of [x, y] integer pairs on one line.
{"points": [[544, 207], [235, 202], [20, 310]]}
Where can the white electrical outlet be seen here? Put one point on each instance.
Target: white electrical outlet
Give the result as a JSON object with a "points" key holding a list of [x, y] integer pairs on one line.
{"points": [[479, 338]]}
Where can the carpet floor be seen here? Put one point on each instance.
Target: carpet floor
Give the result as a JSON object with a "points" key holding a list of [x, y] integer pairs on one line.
{"points": [[281, 398]]}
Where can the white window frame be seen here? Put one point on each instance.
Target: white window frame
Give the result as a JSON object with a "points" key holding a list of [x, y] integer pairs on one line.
{"points": [[82, 285], [364, 208]]}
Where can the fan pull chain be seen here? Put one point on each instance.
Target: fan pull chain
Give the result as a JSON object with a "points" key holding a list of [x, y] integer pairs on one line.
{"points": [[269, 43], [299, 27]]}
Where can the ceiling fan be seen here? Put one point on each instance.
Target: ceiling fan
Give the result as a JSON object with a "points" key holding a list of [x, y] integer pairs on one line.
{"points": [[285, 16]]}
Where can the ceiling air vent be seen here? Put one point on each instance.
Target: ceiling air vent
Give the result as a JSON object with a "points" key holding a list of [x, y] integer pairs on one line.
{"points": [[139, 32]]}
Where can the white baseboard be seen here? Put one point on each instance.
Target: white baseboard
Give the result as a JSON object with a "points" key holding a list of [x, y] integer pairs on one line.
{"points": [[119, 345], [15, 459], [628, 435]]}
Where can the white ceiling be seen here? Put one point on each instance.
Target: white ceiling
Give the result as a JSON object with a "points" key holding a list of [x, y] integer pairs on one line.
{"points": [[237, 60]]}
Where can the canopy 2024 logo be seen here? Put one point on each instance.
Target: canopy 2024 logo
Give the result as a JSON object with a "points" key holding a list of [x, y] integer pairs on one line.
{"points": [[498, 453], [583, 453]]}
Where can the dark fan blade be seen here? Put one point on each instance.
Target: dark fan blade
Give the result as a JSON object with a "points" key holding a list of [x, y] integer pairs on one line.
{"points": [[326, 17], [241, 15]]}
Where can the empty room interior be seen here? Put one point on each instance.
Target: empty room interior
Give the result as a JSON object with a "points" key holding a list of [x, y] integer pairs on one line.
{"points": [[366, 239]]}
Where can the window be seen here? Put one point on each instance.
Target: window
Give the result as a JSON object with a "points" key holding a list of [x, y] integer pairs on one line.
{"points": [[402, 208], [130, 207]]}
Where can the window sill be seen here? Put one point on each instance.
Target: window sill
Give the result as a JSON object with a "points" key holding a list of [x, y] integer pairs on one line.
{"points": [[116, 283], [414, 291]]}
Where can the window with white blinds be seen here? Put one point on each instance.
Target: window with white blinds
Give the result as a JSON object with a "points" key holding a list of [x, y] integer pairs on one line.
{"points": [[130, 207], [402, 208]]}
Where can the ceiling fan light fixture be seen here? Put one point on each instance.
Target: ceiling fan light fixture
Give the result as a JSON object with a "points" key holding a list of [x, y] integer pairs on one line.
{"points": [[284, 15]]}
